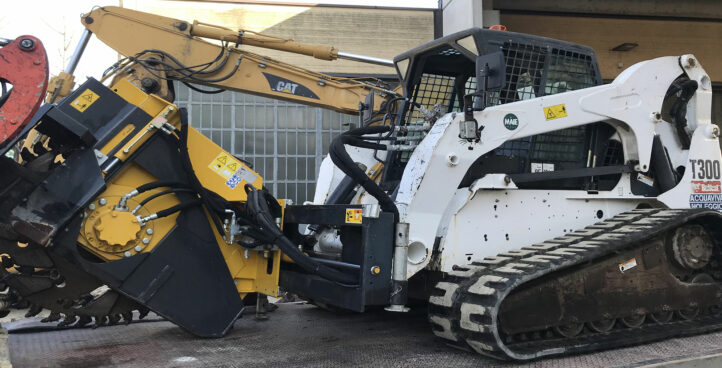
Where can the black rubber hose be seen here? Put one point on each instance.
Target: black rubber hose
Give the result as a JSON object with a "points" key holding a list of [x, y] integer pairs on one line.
{"points": [[178, 207], [158, 184], [169, 191], [258, 206], [212, 201], [343, 161]]}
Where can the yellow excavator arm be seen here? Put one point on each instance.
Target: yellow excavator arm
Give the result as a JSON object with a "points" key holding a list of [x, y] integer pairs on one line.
{"points": [[180, 51]]}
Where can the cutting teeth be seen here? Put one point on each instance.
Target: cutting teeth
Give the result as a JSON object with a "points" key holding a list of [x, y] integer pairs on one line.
{"points": [[33, 311], [54, 316], [68, 320], [83, 320], [113, 319], [127, 317], [142, 312], [100, 321]]}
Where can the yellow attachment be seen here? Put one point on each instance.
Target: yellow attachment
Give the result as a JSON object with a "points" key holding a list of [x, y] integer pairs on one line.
{"points": [[112, 235], [117, 228], [218, 170], [59, 86], [151, 104]]}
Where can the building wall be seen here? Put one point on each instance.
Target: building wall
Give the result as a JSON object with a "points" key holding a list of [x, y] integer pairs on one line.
{"points": [[378, 32]]}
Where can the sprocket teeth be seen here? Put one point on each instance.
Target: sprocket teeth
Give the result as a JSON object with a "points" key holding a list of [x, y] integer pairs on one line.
{"points": [[127, 317], [68, 320], [33, 311], [113, 319], [54, 316], [83, 321]]}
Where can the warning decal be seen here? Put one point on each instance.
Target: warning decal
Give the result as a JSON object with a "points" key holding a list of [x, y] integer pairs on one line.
{"points": [[87, 98], [242, 174], [628, 265], [225, 165], [353, 215], [555, 112]]}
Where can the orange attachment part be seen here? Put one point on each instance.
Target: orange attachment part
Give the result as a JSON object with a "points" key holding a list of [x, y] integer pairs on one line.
{"points": [[498, 27]]}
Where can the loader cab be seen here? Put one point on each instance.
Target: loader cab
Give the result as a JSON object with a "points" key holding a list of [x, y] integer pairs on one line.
{"points": [[440, 73]]}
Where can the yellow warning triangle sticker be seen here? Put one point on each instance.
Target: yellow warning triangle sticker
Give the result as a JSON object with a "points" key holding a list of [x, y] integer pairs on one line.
{"points": [[550, 114]]}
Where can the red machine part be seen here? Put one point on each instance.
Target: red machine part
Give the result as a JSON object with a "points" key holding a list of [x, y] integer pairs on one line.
{"points": [[24, 64]]}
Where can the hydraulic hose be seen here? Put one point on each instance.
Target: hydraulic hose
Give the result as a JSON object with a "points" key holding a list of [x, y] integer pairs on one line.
{"points": [[156, 195], [343, 161], [261, 213]]}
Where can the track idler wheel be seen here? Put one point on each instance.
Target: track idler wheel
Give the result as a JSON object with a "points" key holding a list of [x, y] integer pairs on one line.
{"points": [[570, 330], [602, 325], [634, 320], [688, 313], [662, 316]]}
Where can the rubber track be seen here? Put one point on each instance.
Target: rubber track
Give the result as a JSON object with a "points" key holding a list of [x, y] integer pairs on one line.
{"points": [[464, 305]]}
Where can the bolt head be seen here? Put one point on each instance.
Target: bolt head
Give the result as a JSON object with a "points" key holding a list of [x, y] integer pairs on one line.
{"points": [[91, 207], [138, 248], [146, 241], [127, 254], [27, 44], [149, 231], [102, 201]]}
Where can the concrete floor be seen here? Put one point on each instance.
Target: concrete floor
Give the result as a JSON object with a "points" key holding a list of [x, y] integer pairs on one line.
{"points": [[298, 335]]}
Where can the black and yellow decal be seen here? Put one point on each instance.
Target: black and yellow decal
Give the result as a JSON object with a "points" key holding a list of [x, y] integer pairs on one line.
{"points": [[284, 85], [555, 112], [87, 98], [353, 215]]}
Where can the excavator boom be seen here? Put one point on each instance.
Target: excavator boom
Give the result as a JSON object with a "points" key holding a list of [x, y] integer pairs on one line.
{"points": [[137, 35]]}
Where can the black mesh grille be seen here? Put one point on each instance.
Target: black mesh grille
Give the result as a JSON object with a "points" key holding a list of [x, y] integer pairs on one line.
{"points": [[566, 71], [562, 146], [524, 71], [569, 71], [431, 90]]}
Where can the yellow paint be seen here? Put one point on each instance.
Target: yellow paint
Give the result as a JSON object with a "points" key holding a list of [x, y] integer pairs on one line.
{"points": [[113, 235], [225, 165], [87, 98], [115, 141], [555, 112], [353, 215], [112, 247], [117, 227], [202, 152], [151, 104]]}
